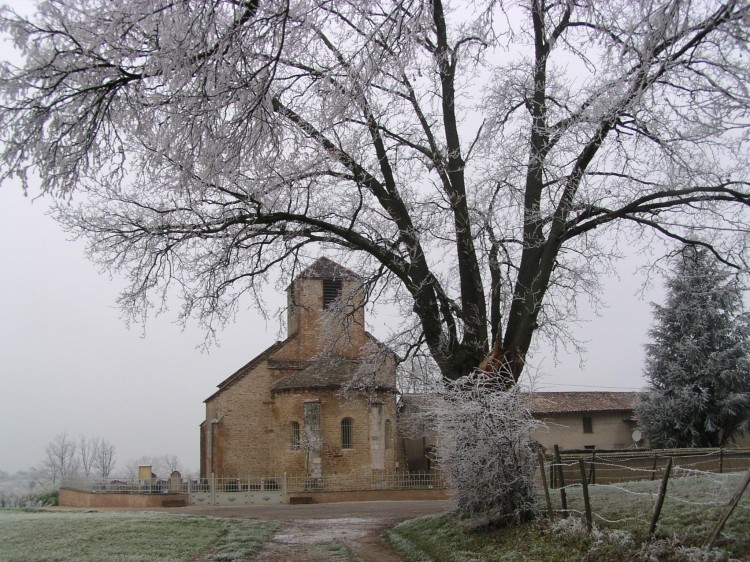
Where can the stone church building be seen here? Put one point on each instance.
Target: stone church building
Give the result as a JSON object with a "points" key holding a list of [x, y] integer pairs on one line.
{"points": [[320, 402]]}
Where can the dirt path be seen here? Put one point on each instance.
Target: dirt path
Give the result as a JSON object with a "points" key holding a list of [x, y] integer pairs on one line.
{"points": [[320, 540], [316, 533]]}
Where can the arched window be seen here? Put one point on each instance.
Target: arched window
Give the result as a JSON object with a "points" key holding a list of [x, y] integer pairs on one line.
{"points": [[295, 436], [346, 433], [388, 434]]}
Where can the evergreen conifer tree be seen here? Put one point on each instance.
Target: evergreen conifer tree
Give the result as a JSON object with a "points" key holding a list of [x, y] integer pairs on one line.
{"points": [[698, 363]]}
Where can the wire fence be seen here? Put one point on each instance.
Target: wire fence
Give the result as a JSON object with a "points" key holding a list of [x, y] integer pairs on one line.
{"points": [[612, 466], [669, 492]]}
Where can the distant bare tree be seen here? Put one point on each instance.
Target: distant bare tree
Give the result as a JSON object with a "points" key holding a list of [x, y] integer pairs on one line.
{"points": [[60, 459], [86, 454], [162, 466], [171, 463], [104, 457]]}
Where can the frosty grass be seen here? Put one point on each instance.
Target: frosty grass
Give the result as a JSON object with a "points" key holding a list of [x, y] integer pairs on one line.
{"points": [[120, 537]]}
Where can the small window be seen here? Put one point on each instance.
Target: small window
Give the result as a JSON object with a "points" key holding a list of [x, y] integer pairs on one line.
{"points": [[588, 425], [388, 434], [295, 436], [331, 292], [346, 433]]}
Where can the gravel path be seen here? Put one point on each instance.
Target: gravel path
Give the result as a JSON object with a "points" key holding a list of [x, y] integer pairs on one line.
{"points": [[315, 533]]}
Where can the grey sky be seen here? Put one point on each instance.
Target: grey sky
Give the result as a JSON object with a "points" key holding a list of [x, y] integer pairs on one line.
{"points": [[67, 361]]}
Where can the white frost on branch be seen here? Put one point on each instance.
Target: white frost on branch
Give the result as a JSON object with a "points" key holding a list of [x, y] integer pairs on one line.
{"points": [[484, 445]]}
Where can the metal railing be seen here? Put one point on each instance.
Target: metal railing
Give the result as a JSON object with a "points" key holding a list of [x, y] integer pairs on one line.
{"points": [[123, 485], [238, 484], [366, 481]]}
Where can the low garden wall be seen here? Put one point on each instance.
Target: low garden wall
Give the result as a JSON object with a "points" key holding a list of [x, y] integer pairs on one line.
{"points": [[368, 496], [78, 498]]}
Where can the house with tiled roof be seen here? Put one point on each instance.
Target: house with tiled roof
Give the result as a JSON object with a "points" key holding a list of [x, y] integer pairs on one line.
{"points": [[572, 420], [586, 420], [320, 402]]}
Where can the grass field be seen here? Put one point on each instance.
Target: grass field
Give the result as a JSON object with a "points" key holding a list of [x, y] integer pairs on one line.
{"points": [[621, 514], [35, 536]]}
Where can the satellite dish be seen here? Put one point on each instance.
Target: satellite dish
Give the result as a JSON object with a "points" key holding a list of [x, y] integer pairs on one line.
{"points": [[637, 435]]}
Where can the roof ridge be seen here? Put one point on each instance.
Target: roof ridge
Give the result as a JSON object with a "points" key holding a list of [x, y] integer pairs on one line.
{"points": [[325, 268]]}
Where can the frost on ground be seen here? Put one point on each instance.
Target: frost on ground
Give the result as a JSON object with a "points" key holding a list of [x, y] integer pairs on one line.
{"points": [[329, 540], [127, 537], [313, 531]]}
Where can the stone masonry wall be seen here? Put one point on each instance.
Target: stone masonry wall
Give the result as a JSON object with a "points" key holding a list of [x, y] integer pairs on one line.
{"points": [[253, 436], [289, 407], [246, 429], [307, 318]]}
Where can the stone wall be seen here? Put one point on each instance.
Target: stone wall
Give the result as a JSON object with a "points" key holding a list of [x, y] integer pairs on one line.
{"points": [[254, 434], [248, 427], [76, 498], [239, 426], [368, 449], [370, 496], [247, 431], [340, 329]]}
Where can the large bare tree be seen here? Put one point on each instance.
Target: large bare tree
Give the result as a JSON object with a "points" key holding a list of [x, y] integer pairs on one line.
{"points": [[480, 163]]}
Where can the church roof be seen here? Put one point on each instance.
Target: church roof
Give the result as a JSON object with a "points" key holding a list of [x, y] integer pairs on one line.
{"points": [[335, 372], [249, 366], [324, 268]]}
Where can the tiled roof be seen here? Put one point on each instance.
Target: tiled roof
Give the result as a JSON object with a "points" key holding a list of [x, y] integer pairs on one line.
{"points": [[560, 402], [576, 402], [335, 372], [324, 268]]}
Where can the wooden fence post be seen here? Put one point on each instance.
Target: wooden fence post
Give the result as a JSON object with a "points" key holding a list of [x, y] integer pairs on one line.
{"points": [[552, 474], [721, 461], [561, 478], [728, 511], [585, 488], [592, 472], [653, 469], [544, 483], [660, 498]]}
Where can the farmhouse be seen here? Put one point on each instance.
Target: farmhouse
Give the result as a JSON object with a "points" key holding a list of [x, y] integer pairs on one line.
{"points": [[285, 412], [586, 420], [573, 420]]}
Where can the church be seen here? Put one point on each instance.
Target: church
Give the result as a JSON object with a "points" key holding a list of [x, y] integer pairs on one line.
{"points": [[318, 403]]}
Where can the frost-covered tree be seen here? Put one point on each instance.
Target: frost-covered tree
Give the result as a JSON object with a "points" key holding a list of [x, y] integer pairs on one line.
{"points": [[485, 449], [479, 163], [698, 364]]}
